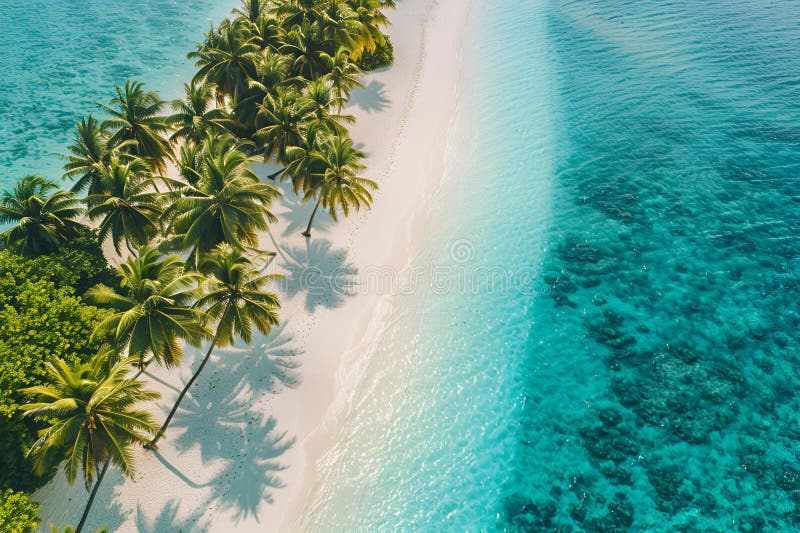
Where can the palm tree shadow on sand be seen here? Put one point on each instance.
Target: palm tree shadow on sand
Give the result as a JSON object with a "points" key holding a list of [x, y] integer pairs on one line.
{"points": [[245, 483], [318, 271], [167, 520], [371, 98], [297, 213], [218, 417], [276, 366]]}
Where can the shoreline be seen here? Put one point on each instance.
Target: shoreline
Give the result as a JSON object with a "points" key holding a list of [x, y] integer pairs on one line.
{"points": [[200, 479], [408, 162]]}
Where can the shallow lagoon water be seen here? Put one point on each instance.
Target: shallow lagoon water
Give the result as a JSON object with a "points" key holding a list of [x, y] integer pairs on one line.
{"points": [[649, 380], [61, 57]]}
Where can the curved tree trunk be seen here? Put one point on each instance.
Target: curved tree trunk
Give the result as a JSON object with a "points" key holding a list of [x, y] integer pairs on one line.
{"points": [[92, 496], [152, 444], [307, 232]]}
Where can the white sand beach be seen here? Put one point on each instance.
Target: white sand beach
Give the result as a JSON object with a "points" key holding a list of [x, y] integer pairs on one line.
{"points": [[245, 451]]}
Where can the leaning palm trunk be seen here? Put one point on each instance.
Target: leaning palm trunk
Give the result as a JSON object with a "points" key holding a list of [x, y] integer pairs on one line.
{"points": [[307, 232], [152, 444], [92, 496]]}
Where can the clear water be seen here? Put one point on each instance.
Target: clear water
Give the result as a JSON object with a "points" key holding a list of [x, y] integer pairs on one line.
{"points": [[643, 158], [58, 58]]}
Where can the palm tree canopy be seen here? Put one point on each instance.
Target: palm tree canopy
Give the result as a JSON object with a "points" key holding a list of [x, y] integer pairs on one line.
{"points": [[267, 32], [153, 308], [252, 10], [306, 45], [92, 418], [89, 150], [235, 295], [282, 119], [43, 216], [341, 186], [370, 20], [344, 73], [196, 113], [227, 203], [227, 58], [297, 12], [129, 207], [321, 99], [304, 169], [135, 118]]}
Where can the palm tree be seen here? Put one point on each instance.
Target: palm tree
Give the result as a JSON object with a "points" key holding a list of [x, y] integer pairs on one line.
{"points": [[227, 59], [90, 150], [267, 32], [301, 165], [43, 220], [218, 145], [92, 422], [370, 20], [341, 25], [321, 100], [135, 118], [252, 10], [297, 12], [193, 156], [344, 73], [227, 204], [283, 117], [305, 45], [340, 188], [129, 209], [272, 72], [153, 308], [236, 299], [196, 113], [190, 160]]}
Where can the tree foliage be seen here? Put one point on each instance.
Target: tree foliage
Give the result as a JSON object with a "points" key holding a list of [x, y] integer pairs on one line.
{"points": [[42, 217], [41, 317], [382, 57], [17, 513]]}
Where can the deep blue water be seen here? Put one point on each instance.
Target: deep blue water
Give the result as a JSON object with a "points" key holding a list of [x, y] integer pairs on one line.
{"points": [[644, 159], [59, 57]]}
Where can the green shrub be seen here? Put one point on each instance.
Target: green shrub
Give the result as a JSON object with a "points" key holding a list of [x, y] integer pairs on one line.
{"points": [[79, 264], [17, 513]]}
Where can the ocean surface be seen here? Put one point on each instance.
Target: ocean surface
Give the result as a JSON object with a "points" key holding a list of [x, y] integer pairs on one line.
{"points": [[58, 58], [610, 342]]}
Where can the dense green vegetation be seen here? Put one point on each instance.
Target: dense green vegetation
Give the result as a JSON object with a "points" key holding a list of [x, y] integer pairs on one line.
{"points": [[17, 513], [42, 315], [271, 85]]}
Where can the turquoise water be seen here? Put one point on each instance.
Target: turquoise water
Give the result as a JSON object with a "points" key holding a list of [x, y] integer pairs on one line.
{"points": [[60, 57], [643, 159]]}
